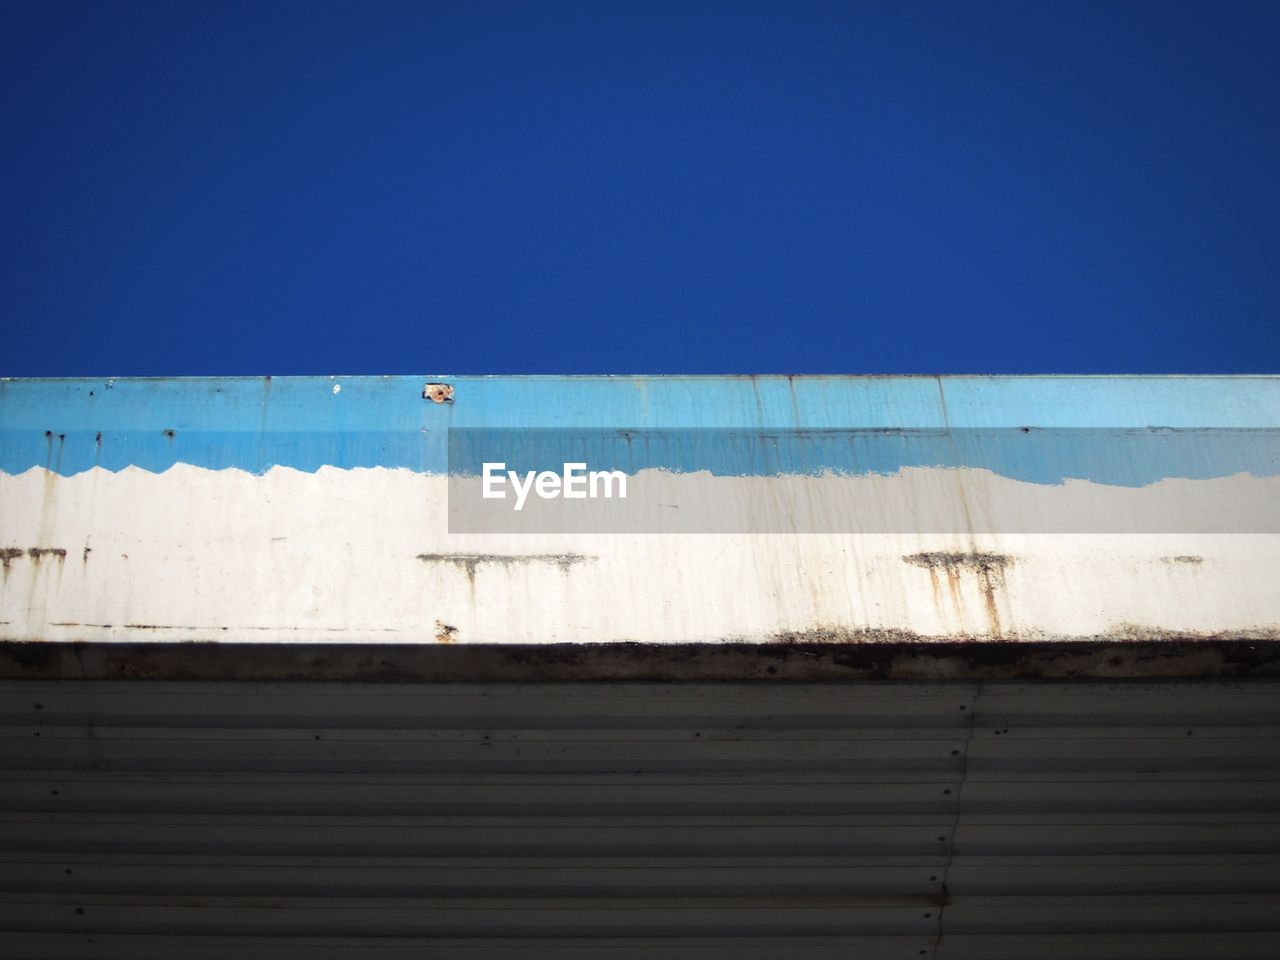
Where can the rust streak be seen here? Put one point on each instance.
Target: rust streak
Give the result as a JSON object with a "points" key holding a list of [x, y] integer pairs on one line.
{"points": [[989, 598], [988, 569], [953, 588]]}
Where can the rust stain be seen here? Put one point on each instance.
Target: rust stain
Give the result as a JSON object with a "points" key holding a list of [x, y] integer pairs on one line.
{"points": [[36, 553], [944, 560], [988, 569], [953, 587], [834, 635], [935, 588], [1145, 633], [1184, 558], [989, 599], [1126, 635], [469, 563], [9, 554], [445, 632], [438, 392]]}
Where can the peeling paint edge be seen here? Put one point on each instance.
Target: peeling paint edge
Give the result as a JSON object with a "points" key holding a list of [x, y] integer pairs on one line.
{"points": [[907, 472]]}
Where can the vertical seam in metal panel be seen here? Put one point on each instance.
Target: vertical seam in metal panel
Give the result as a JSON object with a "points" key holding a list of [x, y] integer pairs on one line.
{"points": [[960, 490], [955, 819]]}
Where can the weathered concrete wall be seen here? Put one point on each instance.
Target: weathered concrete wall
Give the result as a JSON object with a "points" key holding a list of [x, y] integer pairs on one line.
{"points": [[317, 509]]}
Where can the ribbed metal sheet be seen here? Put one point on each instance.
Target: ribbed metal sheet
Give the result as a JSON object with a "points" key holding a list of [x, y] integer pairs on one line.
{"points": [[158, 819]]}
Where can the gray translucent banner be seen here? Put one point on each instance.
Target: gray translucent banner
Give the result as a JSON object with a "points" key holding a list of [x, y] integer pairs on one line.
{"points": [[1005, 480]]}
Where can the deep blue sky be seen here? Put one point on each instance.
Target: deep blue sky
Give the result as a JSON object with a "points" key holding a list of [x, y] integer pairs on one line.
{"points": [[201, 188]]}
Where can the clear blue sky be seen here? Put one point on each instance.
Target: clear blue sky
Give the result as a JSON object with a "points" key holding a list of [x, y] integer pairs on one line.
{"points": [[794, 187]]}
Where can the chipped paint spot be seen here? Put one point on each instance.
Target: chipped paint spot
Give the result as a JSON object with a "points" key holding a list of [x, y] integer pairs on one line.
{"points": [[1184, 558], [445, 632], [438, 392], [337, 389]]}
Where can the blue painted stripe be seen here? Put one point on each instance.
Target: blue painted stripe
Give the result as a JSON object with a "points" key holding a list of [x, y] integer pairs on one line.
{"points": [[1115, 457], [1125, 430]]}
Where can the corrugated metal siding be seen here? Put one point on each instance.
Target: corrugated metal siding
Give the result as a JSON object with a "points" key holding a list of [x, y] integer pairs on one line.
{"points": [[156, 819]]}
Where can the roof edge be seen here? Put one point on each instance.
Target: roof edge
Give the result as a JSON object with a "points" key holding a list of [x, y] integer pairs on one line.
{"points": [[729, 662]]}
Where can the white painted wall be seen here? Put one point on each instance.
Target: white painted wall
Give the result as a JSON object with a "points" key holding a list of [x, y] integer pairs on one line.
{"points": [[201, 555]]}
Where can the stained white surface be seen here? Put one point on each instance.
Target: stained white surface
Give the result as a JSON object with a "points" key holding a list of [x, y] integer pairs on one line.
{"points": [[205, 555]]}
